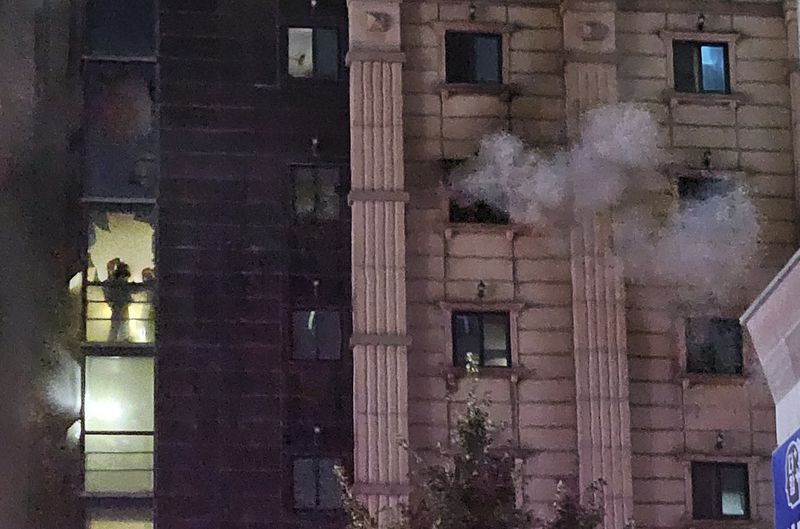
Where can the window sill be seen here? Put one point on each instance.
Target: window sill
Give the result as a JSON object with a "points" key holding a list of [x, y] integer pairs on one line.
{"points": [[117, 496], [498, 90], [707, 379], [452, 374], [720, 524], [122, 349], [679, 98], [454, 229]]}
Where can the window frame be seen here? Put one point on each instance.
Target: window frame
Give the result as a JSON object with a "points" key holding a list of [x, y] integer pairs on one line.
{"points": [[718, 463], [341, 190], [722, 378], [341, 67], [342, 334], [729, 39], [697, 47], [471, 77], [481, 315], [512, 308], [715, 372], [338, 460]]}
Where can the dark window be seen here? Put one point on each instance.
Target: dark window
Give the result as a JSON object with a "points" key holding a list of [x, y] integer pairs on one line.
{"points": [[477, 212], [720, 491], [317, 192], [700, 67], [313, 53], [699, 189], [714, 345], [484, 335], [315, 484], [121, 27], [316, 335], [473, 57]]}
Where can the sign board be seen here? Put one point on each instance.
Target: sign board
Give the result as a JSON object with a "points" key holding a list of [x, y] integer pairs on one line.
{"points": [[786, 479]]}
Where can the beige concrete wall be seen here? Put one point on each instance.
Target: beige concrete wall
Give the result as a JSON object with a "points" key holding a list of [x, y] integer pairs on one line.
{"points": [[674, 418]]}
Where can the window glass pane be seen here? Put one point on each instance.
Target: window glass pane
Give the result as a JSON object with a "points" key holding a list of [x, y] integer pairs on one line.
{"points": [[328, 180], [304, 324], [704, 490], [486, 49], [121, 27], [304, 483], [120, 519], [329, 492], [685, 66], [329, 335], [714, 67], [728, 346], [466, 337], [118, 463], [301, 52], [305, 192], [734, 490], [119, 394], [121, 141], [495, 340], [458, 56], [326, 53]]}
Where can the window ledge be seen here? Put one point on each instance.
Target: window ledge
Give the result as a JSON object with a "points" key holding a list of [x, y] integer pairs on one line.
{"points": [[501, 91], [698, 379], [721, 524], [452, 374], [454, 229], [732, 100], [117, 495]]}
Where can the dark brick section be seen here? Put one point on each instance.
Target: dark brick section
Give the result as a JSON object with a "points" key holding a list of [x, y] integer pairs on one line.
{"points": [[232, 407]]}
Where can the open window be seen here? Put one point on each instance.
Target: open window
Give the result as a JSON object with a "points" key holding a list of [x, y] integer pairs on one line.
{"points": [[701, 67], [313, 53], [118, 424], [720, 491], [315, 485], [714, 346], [473, 58], [120, 276], [484, 335], [692, 189]]}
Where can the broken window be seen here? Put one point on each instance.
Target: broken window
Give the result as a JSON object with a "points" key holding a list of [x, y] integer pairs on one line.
{"points": [[118, 423], [121, 136], [699, 189], [316, 335], [121, 27], [317, 192], [477, 212], [720, 491], [313, 53], [484, 335], [714, 346], [701, 67], [120, 275], [473, 57], [315, 484]]}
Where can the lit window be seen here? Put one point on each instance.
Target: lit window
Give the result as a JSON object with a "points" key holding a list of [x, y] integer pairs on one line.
{"points": [[714, 345], [317, 335], [720, 491], [315, 484], [473, 57], [120, 519], [313, 53], [121, 139], [700, 67], [699, 189], [317, 192], [118, 418], [485, 335], [121, 275], [121, 27]]}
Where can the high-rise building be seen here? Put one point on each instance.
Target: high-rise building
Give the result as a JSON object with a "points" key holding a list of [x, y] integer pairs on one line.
{"points": [[275, 280]]}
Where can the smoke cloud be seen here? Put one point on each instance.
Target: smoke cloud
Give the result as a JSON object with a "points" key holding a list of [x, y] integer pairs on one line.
{"points": [[704, 246]]}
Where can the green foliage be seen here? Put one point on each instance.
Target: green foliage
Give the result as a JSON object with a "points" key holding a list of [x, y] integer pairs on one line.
{"points": [[473, 485]]}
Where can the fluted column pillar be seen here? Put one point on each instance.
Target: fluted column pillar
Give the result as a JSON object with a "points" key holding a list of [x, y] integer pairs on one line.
{"points": [[598, 287], [790, 8], [380, 340]]}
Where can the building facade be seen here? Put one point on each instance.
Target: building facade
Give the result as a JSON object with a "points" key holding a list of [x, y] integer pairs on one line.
{"points": [[274, 279]]}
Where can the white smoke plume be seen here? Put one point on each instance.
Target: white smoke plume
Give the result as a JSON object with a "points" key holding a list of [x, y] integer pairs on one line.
{"points": [[703, 246]]}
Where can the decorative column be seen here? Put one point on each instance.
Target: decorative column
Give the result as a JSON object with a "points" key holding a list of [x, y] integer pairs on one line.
{"points": [[598, 287], [790, 8], [380, 340]]}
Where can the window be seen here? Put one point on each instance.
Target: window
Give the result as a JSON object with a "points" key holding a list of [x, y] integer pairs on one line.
{"points": [[315, 484], [714, 345], [720, 491], [484, 335], [313, 53], [477, 212], [473, 57], [121, 27], [316, 335], [317, 192], [699, 189], [701, 67], [120, 519], [121, 275], [118, 423]]}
